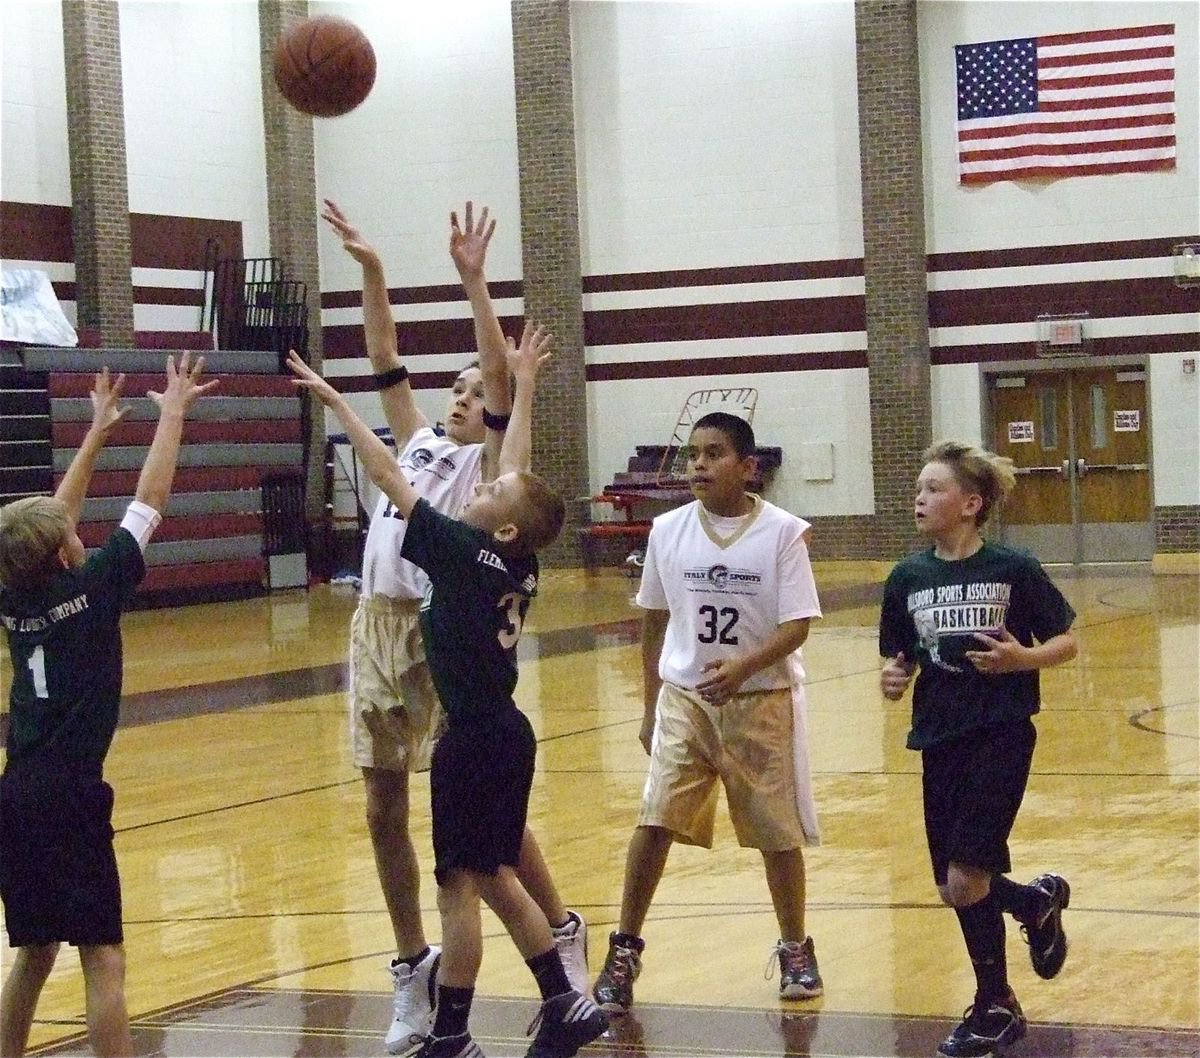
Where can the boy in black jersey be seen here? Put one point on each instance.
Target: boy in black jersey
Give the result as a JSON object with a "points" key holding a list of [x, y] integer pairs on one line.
{"points": [[483, 572], [979, 620], [61, 612]]}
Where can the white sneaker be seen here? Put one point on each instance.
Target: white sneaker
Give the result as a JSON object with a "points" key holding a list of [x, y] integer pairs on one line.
{"points": [[571, 942], [414, 1001]]}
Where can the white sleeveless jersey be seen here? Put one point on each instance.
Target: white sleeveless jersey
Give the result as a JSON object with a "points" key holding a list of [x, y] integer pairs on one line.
{"points": [[442, 472], [726, 596]]}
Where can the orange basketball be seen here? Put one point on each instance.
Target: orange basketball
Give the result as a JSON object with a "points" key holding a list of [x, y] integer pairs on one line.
{"points": [[324, 66]]}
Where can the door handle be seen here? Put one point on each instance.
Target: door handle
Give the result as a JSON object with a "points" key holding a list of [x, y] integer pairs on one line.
{"points": [[1120, 466], [1042, 470], [1081, 467], [1065, 470]]}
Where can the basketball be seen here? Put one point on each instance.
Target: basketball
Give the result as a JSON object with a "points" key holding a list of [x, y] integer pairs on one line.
{"points": [[324, 66]]}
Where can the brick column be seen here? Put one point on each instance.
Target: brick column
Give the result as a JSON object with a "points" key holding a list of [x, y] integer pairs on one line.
{"points": [[889, 123], [292, 215], [550, 250], [99, 179]]}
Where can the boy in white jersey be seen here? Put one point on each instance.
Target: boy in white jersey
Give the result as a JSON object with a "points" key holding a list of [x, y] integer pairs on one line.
{"points": [[728, 592], [394, 710]]}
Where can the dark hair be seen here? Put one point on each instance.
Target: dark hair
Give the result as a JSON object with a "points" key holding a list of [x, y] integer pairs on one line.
{"points": [[739, 432]]}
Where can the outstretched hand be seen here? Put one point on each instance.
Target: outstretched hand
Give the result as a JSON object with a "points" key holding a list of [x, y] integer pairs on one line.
{"points": [[183, 387], [307, 378], [106, 401], [526, 359], [352, 240], [469, 243]]}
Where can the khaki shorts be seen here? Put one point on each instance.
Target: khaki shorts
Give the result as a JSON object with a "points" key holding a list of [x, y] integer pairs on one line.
{"points": [[747, 745], [395, 715]]}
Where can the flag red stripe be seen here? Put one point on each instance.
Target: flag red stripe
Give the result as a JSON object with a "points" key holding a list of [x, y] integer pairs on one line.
{"points": [[1097, 79], [1105, 34], [1101, 102], [1167, 51], [1145, 165], [1086, 125], [1092, 147]]}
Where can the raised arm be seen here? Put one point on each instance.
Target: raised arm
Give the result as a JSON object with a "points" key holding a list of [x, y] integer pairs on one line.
{"points": [[400, 410], [106, 396], [526, 360], [181, 392], [468, 249], [377, 458]]}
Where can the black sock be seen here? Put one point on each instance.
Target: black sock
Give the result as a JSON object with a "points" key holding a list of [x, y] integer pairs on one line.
{"points": [[548, 971], [982, 925], [453, 1010], [412, 960], [1023, 902]]}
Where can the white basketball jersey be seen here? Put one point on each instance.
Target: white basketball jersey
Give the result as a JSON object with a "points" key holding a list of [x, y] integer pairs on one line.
{"points": [[442, 472], [726, 595]]}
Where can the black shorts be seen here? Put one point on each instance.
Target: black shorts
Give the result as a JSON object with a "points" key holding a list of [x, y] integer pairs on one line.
{"points": [[479, 787], [973, 786], [58, 870]]}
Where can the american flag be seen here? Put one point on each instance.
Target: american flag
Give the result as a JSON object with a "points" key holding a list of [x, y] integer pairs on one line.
{"points": [[1069, 104]]}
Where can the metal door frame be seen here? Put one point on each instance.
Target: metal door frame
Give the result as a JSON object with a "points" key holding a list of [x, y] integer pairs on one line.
{"points": [[1069, 365]]}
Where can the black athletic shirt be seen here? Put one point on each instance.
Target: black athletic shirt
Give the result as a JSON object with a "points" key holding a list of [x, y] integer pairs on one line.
{"points": [[472, 614], [932, 606], [65, 644]]}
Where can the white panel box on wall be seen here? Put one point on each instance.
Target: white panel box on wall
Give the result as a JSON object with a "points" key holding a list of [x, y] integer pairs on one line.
{"points": [[816, 461]]}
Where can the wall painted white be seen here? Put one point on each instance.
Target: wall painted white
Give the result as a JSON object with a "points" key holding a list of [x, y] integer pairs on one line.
{"points": [[715, 135], [193, 113], [34, 162], [1072, 210]]}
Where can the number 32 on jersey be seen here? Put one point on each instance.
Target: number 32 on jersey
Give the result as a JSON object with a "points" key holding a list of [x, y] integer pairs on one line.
{"points": [[717, 626]]}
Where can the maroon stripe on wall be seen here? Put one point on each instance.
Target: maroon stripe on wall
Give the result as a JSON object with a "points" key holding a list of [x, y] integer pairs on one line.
{"points": [[415, 338], [350, 299], [699, 277], [64, 290], [33, 232], [203, 574], [747, 319], [1127, 250], [180, 242], [1125, 345], [366, 383], [1103, 298], [728, 365]]}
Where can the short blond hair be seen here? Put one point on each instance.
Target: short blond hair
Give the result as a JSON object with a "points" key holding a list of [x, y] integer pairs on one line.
{"points": [[539, 514], [985, 473], [32, 531]]}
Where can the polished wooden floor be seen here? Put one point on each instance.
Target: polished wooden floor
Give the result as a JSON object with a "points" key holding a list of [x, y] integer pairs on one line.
{"points": [[255, 924]]}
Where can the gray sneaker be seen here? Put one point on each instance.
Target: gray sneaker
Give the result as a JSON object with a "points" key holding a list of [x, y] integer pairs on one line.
{"points": [[799, 977], [571, 942]]}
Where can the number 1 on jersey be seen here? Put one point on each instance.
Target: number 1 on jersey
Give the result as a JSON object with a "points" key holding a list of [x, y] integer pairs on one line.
{"points": [[37, 669]]}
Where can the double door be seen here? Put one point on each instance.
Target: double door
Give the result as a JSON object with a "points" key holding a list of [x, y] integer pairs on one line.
{"points": [[1080, 442]]}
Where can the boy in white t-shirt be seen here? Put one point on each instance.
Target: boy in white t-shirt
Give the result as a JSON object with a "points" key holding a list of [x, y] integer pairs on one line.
{"points": [[729, 594], [394, 709]]}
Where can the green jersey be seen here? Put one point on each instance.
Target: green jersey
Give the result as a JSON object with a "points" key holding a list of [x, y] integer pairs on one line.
{"points": [[932, 609], [472, 614], [65, 645]]}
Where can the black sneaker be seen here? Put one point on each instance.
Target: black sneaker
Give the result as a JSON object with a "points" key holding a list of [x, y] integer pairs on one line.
{"points": [[564, 1024], [1045, 937], [614, 987], [799, 977], [461, 1046], [986, 1032]]}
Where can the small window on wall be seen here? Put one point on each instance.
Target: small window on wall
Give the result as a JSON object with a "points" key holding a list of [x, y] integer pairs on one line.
{"points": [[1099, 418], [1049, 400]]}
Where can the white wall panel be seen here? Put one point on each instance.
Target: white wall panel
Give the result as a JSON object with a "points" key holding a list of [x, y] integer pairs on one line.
{"points": [[34, 162], [193, 113]]}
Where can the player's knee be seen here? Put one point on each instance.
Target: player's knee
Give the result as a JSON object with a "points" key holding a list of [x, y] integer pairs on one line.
{"points": [[103, 964], [37, 959]]}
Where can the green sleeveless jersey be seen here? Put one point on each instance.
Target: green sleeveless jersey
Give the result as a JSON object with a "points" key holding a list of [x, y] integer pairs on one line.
{"points": [[65, 644], [473, 612]]}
